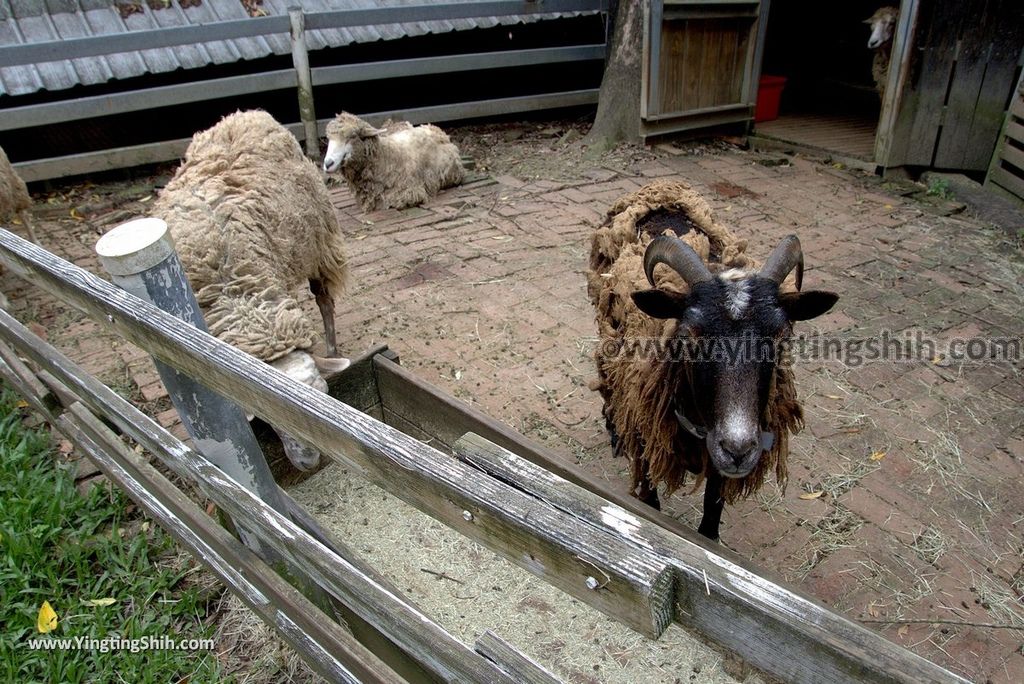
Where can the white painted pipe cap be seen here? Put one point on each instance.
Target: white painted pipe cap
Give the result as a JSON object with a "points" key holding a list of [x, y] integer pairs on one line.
{"points": [[135, 246]]}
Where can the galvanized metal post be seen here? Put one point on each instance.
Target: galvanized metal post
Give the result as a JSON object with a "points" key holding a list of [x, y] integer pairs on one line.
{"points": [[300, 59], [140, 258]]}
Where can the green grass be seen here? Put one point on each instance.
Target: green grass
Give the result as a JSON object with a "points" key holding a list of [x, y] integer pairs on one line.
{"points": [[939, 187], [59, 547]]}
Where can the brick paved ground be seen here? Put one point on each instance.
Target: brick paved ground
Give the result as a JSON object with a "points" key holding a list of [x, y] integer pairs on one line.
{"points": [[482, 292]]}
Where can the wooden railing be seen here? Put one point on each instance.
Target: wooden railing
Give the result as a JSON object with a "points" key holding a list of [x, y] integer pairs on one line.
{"points": [[495, 487], [301, 76]]}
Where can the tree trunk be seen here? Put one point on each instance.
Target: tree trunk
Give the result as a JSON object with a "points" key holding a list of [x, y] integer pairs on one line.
{"points": [[618, 106]]}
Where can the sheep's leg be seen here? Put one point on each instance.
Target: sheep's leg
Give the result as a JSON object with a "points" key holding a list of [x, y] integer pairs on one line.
{"points": [[646, 492], [30, 227], [325, 301], [713, 505], [303, 457]]}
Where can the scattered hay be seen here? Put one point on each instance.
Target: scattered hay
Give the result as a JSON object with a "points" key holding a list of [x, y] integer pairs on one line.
{"points": [[895, 592], [252, 652], [837, 484], [574, 641], [929, 545], [941, 460], [833, 532], [1002, 601]]}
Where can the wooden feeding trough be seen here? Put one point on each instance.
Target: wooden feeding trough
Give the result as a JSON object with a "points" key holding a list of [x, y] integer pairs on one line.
{"points": [[444, 458]]}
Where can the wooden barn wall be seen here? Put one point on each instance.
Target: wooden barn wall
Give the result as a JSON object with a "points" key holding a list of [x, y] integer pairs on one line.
{"points": [[702, 63], [964, 66]]}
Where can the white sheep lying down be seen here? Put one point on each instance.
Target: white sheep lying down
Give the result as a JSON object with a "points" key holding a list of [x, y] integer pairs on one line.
{"points": [[252, 221], [397, 166]]}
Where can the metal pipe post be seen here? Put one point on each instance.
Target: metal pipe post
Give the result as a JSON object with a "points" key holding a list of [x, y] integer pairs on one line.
{"points": [[140, 258]]}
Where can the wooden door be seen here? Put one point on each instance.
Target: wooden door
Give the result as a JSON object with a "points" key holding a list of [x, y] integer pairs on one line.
{"points": [[702, 59], [957, 68]]}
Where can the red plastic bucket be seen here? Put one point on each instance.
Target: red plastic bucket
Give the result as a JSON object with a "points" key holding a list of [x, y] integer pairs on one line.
{"points": [[769, 92]]}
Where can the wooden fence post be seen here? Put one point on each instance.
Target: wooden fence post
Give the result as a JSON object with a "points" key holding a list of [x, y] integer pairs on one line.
{"points": [[140, 258], [300, 59]]}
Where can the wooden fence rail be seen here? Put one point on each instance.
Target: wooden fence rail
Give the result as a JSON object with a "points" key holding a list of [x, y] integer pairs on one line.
{"points": [[301, 76], [547, 525], [92, 46]]}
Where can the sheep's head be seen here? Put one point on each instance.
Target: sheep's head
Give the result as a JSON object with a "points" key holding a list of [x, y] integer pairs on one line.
{"points": [[301, 367], [344, 134], [883, 24], [729, 334]]}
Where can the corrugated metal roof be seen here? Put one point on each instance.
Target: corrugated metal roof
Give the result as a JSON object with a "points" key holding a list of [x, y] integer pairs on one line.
{"points": [[29, 21]]}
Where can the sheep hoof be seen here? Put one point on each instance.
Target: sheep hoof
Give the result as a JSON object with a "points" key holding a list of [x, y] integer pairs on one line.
{"points": [[328, 365]]}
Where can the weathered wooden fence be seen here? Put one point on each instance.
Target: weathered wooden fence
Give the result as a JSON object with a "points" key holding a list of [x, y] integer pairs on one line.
{"points": [[1006, 172], [301, 76], [494, 486]]}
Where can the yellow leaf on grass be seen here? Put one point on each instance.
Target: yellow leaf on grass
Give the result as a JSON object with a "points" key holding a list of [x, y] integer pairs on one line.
{"points": [[811, 495], [101, 602], [21, 403], [877, 456], [47, 620]]}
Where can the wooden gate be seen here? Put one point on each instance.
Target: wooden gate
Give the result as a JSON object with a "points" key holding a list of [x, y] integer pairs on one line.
{"points": [[959, 69], [701, 63]]}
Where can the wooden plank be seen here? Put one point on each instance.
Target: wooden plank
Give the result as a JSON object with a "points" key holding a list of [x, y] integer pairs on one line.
{"points": [[144, 99], [773, 628], [1008, 181], [1013, 155], [322, 643], [357, 384], [391, 615], [318, 639], [398, 660], [33, 388], [962, 100], [1014, 131], [132, 41], [890, 148], [912, 136], [927, 95], [438, 415], [638, 592], [369, 71], [125, 157], [518, 666]]}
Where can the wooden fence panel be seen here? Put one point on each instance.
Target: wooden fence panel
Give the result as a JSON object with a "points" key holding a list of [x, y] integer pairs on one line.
{"points": [[639, 591], [325, 645], [391, 615], [769, 626]]}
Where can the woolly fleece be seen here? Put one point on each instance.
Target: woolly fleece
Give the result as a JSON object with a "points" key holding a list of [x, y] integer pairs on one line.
{"points": [[251, 220], [636, 401], [400, 168]]}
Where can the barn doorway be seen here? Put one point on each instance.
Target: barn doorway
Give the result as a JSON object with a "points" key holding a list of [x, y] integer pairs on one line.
{"points": [[829, 101]]}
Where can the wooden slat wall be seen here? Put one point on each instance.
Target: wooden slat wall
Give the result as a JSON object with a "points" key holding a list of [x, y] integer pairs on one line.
{"points": [[1007, 169], [701, 64], [965, 61], [986, 70]]}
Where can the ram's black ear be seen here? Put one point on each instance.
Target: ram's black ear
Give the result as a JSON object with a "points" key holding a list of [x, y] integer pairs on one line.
{"points": [[803, 306], [660, 303]]}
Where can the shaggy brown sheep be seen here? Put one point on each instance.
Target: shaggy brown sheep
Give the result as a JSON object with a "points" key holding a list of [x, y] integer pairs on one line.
{"points": [[674, 403]]}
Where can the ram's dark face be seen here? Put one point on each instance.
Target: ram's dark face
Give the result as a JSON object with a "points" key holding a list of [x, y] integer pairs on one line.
{"points": [[731, 327]]}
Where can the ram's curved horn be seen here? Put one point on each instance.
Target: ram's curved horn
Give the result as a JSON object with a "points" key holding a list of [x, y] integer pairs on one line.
{"points": [[783, 260], [678, 256]]}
